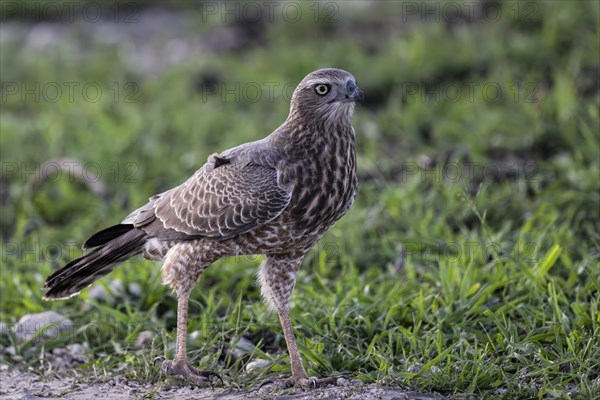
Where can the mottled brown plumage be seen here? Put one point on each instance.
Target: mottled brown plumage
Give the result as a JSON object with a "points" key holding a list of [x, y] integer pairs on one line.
{"points": [[276, 196]]}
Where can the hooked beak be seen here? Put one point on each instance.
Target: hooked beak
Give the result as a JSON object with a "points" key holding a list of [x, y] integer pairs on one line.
{"points": [[353, 93]]}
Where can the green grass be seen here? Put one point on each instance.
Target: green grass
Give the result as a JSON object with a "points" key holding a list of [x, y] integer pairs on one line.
{"points": [[469, 264]]}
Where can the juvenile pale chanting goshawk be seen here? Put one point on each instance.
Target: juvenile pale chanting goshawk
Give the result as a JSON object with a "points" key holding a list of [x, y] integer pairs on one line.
{"points": [[276, 196]]}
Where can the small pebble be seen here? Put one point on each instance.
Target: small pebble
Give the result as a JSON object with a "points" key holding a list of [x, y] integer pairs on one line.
{"points": [[135, 289], [342, 382], [32, 326], [242, 347], [78, 352], [11, 351], [144, 339], [257, 364]]}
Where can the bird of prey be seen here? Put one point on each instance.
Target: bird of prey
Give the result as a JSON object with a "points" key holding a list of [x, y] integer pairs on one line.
{"points": [[276, 197]]}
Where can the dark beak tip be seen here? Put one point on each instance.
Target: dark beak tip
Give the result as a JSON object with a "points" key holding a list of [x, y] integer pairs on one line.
{"points": [[358, 96]]}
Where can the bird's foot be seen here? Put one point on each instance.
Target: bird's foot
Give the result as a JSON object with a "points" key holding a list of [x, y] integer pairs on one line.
{"points": [[304, 382], [184, 370]]}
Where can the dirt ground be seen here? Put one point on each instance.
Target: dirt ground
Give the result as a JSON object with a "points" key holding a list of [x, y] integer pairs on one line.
{"points": [[27, 386]]}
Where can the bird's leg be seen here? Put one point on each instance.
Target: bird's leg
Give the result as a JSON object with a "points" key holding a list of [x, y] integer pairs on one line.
{"points": [[182, 274], [180, 366], [298, 371], [278, 278]]}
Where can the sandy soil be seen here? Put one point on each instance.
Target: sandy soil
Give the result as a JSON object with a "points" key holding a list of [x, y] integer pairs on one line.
{"points": [[27, 386]]}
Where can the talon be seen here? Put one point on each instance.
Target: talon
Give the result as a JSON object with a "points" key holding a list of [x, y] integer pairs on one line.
{"points": [[188, 372], [308, 383], [331, 380], [209, 374], [159, 359], [205, 374]]}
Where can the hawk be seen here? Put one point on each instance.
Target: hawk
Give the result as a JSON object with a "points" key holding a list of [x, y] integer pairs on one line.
{"points": [[276, 197]]}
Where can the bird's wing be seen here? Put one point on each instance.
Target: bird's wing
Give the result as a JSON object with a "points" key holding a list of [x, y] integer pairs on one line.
{"points": [[219, 201]]}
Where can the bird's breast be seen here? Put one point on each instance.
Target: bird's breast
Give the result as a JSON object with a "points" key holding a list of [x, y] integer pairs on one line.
{"points": [[324, 185]]}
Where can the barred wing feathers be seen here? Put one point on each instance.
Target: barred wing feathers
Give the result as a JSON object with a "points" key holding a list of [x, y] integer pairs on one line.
{"points": [[222, 202]]}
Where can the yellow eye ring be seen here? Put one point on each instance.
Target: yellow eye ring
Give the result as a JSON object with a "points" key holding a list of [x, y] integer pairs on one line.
{"points": [[322, 89]]}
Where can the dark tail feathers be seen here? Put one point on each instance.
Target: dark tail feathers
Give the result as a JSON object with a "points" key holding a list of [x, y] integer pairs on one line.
{"points": [[116, 244], [106, 235]]}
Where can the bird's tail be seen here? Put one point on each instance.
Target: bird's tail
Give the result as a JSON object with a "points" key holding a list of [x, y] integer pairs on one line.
{"points": [[113, 246]]}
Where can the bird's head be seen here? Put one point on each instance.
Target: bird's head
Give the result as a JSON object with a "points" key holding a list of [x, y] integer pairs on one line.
{"points": [[326, 95]]}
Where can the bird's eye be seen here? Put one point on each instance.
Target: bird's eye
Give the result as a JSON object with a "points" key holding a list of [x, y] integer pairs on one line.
{"points": [[322, 89]]}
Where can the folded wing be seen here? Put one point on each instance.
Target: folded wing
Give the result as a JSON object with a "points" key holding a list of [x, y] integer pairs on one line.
{"points": [[217, 202]]}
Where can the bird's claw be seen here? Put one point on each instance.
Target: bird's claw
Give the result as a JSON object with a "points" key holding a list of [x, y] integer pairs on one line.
{"points": [[188, 372], [312, 382]]}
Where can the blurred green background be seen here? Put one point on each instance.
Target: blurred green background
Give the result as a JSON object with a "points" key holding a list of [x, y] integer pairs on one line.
{"points": [[469, 264]]}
